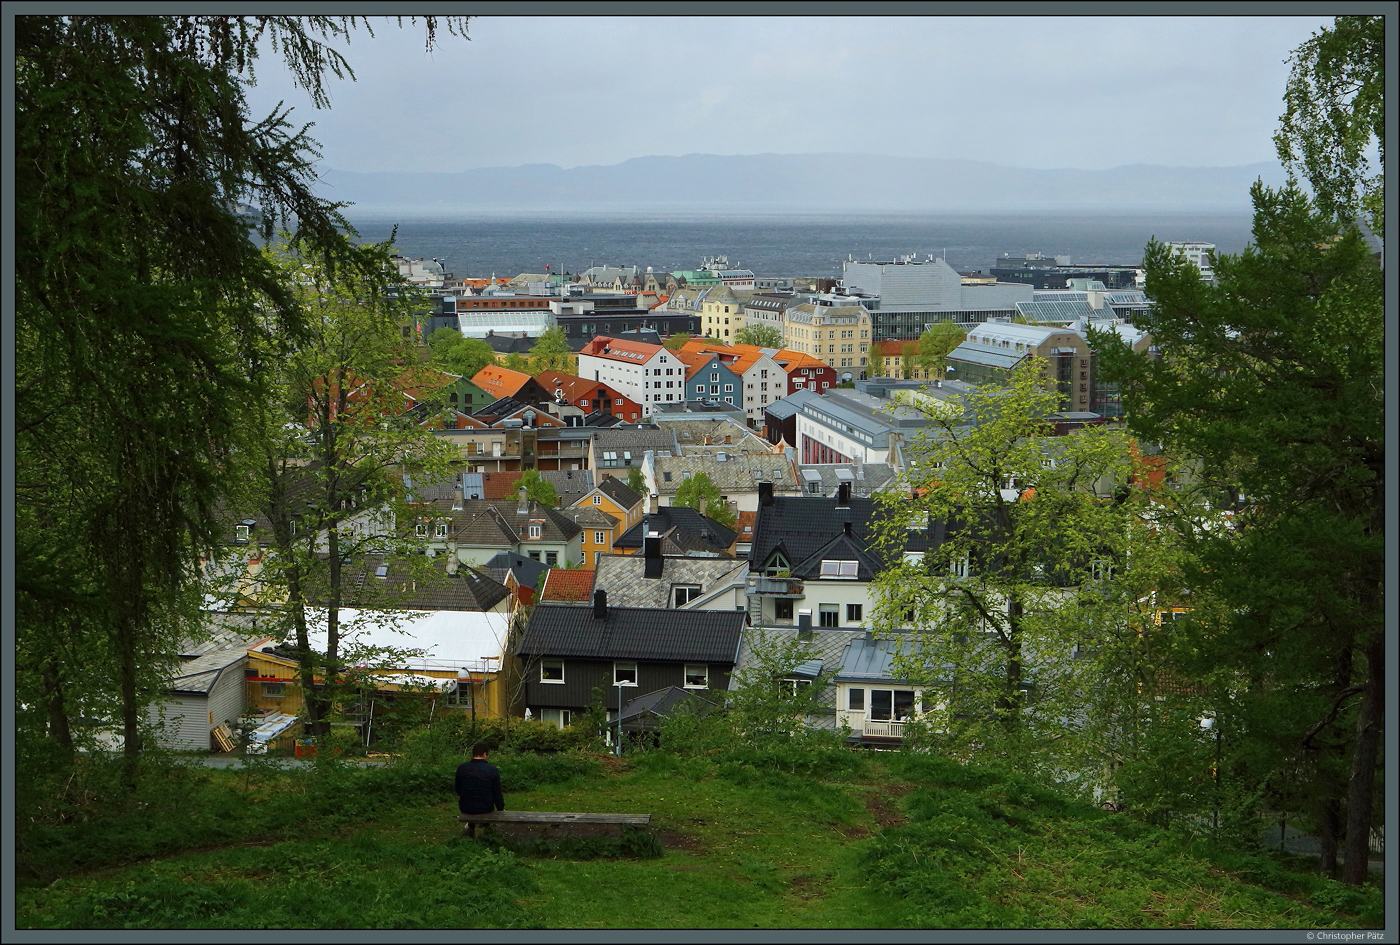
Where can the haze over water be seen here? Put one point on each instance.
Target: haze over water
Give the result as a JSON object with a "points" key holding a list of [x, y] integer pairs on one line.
{"points": [[779, 246]]}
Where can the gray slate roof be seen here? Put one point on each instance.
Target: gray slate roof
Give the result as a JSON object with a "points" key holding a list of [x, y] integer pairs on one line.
{"points": [[865, 478], [683, 531], [527, 570], [660, 704], [619, 492], [632, 633], [400, 589], [624, 578], [826, 647], [738, 473]]}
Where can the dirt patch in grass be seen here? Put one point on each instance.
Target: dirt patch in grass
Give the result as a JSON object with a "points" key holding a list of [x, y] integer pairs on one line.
{"points": [[672, 840], [883, 804], [807, 887]]}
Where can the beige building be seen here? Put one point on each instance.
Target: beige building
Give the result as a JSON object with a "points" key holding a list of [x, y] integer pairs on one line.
{"points": [[721, 314], [837, 335]]}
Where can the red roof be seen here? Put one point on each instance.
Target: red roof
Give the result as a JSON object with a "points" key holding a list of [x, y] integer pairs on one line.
{"points": [[568, 585]]}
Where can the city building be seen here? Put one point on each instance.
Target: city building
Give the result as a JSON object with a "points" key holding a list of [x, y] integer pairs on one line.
{"points": [[647, 374], [911, 294], [839, 335]]}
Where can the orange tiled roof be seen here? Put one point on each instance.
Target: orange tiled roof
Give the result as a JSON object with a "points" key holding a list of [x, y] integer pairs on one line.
{"points": [[616, 348], [499, 381], [568, 585]]}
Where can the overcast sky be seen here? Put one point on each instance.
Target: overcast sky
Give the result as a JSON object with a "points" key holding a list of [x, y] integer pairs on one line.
{"points": [[1053, 92]]}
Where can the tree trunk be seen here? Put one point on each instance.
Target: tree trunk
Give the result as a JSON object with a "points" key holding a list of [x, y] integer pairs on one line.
{"points": [[1363, 768], [131, 710], [57, 711], [1329, 826]]}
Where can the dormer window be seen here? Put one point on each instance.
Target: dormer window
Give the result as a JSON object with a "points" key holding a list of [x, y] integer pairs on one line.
{"points": [[776, 562], [534, 532], [441, 530], [844, 570], [421, 530], [240, 534]]}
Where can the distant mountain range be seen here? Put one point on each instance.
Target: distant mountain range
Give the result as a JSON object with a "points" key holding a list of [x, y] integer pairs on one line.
{"points": [[805, 183]]}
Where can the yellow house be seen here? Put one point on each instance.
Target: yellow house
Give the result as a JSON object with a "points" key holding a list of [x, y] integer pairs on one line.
{"points": [[721, 314], [837, 335]]}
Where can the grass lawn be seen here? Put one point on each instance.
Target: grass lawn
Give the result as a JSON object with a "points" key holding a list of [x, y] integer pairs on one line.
{"points": [[890, 842]]}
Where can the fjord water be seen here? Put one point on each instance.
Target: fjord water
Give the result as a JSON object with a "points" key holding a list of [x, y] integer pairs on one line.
{"points": [[778, 245]]}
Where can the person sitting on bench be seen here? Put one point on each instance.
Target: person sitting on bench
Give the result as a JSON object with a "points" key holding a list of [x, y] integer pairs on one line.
{"points": [[479, 784]]}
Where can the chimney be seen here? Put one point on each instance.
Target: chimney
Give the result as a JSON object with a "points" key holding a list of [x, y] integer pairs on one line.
{"points": [[704, 503], [524, 508], [651, 550], [765, 493], [600, 605], [654, 504], [846, 527], [843, 496], [457, 499]]}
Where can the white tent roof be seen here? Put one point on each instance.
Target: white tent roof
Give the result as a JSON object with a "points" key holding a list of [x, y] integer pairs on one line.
{"points": [[449, 639]]}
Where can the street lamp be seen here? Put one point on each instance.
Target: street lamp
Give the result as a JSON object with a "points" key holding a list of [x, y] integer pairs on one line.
{"points": [[1208, 724]]}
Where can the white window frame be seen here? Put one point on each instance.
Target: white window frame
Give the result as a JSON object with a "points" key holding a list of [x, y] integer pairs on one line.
{"points": [[546, 665], [421, 529], [622, 667], [440, 531], [700, 671], [692, 591], [563, 718], [535, 532], [599, 537]]}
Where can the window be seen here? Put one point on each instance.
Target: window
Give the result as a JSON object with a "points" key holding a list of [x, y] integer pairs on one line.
{"points": [[782, 609], [958, 567], [552, 671], [534, 531], [714, 377], [855, 700], [666, 476], [697, 676], [551, 558], [684, 594], [840, 569], [597, 500], [624, 674], [891, 705], [560, 717], [729, 388], [421, 530], [830, 615], [598, 537], [853, 613], [274, 690], [534, 556], [240, 533], [790, 687], [699, 388]]}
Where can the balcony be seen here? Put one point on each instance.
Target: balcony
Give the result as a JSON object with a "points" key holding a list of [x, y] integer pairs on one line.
{"points": [[778, 587], [866, 727]]}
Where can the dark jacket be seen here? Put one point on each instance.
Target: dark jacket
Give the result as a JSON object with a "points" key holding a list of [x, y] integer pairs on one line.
{"points": [[479, 787]]}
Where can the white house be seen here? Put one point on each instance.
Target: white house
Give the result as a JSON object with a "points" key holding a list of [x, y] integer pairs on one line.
{"points": [[646, 373]]}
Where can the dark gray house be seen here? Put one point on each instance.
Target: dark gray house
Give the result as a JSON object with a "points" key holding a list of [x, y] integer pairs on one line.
{"points": [[570, 651]]}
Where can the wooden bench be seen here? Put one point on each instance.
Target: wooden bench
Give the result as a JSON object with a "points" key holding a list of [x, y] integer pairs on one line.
{"points": [[547, 817]]}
